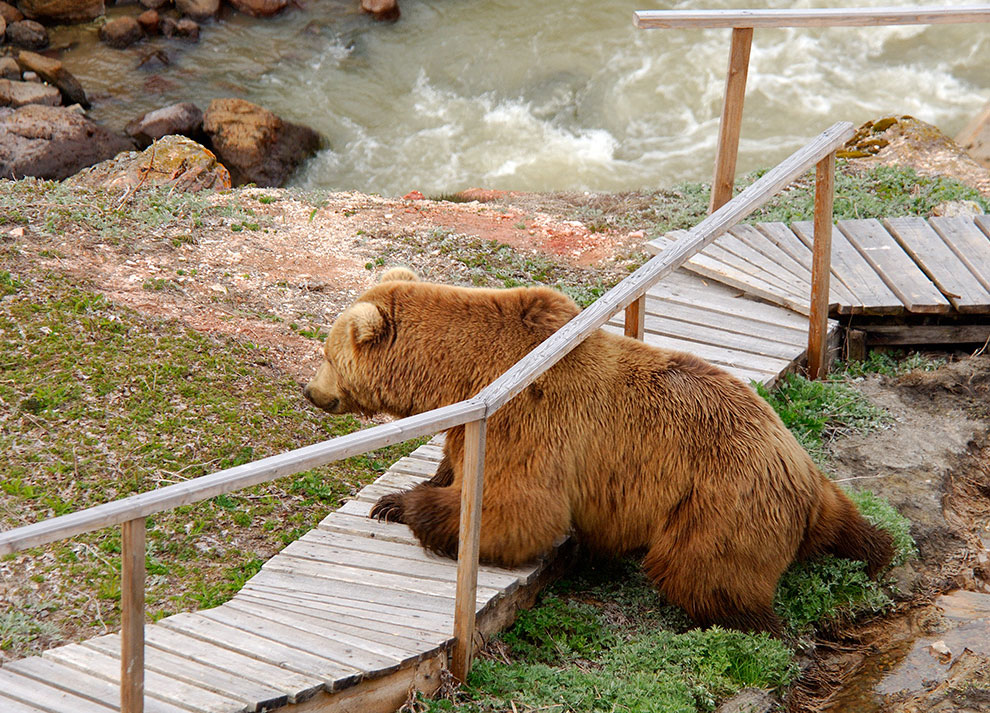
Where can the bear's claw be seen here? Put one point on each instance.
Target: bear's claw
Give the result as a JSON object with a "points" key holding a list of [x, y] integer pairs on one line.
{"points": [[389, 508]]}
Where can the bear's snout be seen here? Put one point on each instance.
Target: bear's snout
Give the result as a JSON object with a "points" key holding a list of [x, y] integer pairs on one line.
{"points": [[331, 405]]}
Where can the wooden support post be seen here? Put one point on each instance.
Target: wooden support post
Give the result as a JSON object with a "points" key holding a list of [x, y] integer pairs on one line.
{"points": [[132, 617], [731, 122], [635, 319], [821, 266], [467, 555]]}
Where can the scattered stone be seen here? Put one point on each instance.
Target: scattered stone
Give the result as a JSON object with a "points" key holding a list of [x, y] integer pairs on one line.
{"points": [[53, 72], [957, 209], [187, 29], [169, 26], [185, 119], [17, 94], [3, 28], [121, 32], [10, 13], [149, 20], [385, 10], [28, 34], [62, 12], [30, 76], [750, 700], [172, 161], [413, 196], [155, 4], [9, 69], [975, 138], [255, 144], [199, 10], [259, 8], [52, 142]]}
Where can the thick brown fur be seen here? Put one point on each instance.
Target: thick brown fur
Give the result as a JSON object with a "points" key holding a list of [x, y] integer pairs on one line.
{"points": [[629, 446]]}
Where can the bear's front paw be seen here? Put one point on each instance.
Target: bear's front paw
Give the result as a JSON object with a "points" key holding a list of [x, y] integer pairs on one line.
{"points": [[389, 508]]}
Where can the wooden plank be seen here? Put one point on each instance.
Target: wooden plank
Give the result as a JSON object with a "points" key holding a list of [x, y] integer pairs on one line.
{"points": [[770, 255], [768, 270], [85, 685], [731, 121], [414, 466], [343, 574], [469, 539], [132, 616], [699, 313], [898, 271], [379, 640], [164, 688], [784, 238], [254, 695], [9, 705], [366, 527], [902, 335], [779, 290], [358, 591], [355, 618], [38, 696], [873, 295], [208, 657], [241, 476], [557, 346], [983, 222], [441, 619], [818, 362], [277, 653], [812, 17], [940, 264], [969, 243], [714, 335]]}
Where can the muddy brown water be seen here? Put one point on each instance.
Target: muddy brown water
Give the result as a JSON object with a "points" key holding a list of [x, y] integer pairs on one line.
{"points": [[517, 95]]}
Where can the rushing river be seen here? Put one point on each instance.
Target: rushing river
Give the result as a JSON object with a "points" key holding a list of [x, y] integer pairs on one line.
{"points": [[556, 95]]}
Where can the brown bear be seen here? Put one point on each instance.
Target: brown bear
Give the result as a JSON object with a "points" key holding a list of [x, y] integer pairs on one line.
{"points": [[628, 446]]}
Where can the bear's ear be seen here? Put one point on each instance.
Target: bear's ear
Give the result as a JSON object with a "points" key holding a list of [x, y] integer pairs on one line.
{"points": [[546, 310], [399, 274], [367, 323]]}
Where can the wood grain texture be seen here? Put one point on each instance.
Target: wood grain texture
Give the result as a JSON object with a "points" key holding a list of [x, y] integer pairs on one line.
{"points": [[132, 616], [811, 17], [821, 268], [632, 323], [730, 123], [969, 243]]}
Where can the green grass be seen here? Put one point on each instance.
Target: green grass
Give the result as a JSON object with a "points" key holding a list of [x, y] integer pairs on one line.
{"points": [[891, 363]]}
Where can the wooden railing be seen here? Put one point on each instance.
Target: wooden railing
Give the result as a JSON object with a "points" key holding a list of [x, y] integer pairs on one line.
{"points": [[630, 294], [743, 22]]}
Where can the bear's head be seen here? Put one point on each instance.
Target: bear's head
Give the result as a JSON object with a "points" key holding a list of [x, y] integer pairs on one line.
{"points": [[407, 346]]}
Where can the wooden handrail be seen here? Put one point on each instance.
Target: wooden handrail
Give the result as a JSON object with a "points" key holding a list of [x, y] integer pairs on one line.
{"points": [[811, 17], [241, 476], [558, 345]]}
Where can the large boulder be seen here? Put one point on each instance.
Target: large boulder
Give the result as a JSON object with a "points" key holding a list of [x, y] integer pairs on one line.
{"points": [[259, 8], [199, 10], [28, 34], [185, 119], [975, 138], [121, 32], [53, 72], [174, 161], [255, 144], [52, 142], [17, 94], [62, 12]]}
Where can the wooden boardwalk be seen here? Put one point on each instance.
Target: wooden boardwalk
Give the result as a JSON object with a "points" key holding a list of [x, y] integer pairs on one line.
{"points": [[355, 614]]}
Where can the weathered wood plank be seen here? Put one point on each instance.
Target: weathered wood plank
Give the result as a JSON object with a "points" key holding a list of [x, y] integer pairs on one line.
{"points": [[969, 243], [898, 271], [79, 683], [983, 221], [208, 656], [940, 264], [770, 271], [783, 237], [863, 281], [414, 466], [731, 122], [771, 256], [254, 695], [811, 17], [818, 361], [699, 313], [165, 688], [9, 705], [332, 673], [132, 556], [366, 527], [32, 695], [902, 335]]}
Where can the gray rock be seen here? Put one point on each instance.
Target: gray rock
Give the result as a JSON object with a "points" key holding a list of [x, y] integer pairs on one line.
{"points": [[28, 34], [53, 72], [185, 119], [255, 144], [121, 32], [52, 142], [9, 68], [17, 94], [62, 12], [198, 10], [750, 700]]}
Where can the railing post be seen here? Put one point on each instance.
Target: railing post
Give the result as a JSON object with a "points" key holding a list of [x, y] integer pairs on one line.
{"points": [[635, 319], [132, 616], [467, 555], [821, 266], [731, 122]]}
